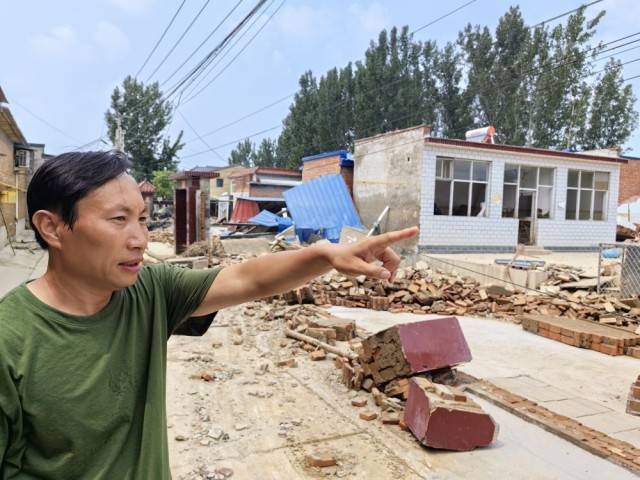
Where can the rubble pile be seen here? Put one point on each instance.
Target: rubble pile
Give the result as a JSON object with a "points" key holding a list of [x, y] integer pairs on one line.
{"points": [[161, 235], [633, 401], [422, 290]]}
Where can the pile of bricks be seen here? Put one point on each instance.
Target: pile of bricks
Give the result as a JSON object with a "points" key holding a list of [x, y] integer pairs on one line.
{"points": [[633, 402], [422, 290], [583, 334]]}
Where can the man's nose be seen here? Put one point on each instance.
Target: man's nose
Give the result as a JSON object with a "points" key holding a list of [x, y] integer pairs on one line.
{"points": [[138, 236]]}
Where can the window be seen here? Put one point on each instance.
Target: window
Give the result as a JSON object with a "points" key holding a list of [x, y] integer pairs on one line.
{"points": [[461, 187], [219, 182], [587, 194], [526, 188]]}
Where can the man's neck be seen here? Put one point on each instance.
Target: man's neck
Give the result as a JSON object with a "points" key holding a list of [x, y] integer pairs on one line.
{"points": [[69, 294]]}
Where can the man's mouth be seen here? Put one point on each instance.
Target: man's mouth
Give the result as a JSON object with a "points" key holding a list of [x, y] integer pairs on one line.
{"points": [[132, 266]]}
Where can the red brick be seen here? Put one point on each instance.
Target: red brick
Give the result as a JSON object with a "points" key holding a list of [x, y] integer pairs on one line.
{"points": [[443, 424], [609, 349], [320, 458], [317, 355], [368, 416]]}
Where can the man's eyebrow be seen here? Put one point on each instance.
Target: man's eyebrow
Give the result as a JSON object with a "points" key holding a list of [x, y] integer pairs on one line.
{"points": [[126, 208]]}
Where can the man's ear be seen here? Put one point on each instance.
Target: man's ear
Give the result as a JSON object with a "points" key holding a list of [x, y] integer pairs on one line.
{"points": [[48, 225]]}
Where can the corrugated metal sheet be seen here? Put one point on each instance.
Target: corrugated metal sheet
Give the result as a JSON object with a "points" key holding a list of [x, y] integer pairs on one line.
{"points": [[243, 210], [269, 219], [322, 204]]}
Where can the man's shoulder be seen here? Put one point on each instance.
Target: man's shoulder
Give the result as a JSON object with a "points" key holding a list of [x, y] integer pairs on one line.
{"points": [[14, 319]]}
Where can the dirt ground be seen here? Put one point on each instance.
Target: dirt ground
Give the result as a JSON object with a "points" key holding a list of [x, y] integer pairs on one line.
{"points": [[260, 420]]}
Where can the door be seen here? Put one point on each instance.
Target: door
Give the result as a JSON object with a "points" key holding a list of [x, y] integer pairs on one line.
{"points": [[180, 219], [526, 216]]}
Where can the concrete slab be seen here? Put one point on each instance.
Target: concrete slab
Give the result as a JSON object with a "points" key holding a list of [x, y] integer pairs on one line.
{"points": [[575, 407], [611, 422], [543, 393], [630, 436]]}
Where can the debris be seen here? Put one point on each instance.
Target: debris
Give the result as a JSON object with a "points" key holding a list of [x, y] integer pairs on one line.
{"points": [[318, 343], [320, 458], [237, 340], [317, 355], [359, 402], [368, 416], [390, 418], [180, 438], [446, 424], [633, 401], [287, 362], [207, 377], [409, 348]]}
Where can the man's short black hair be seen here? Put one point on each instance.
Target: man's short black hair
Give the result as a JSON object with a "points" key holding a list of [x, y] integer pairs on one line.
{"points": [[60, 183]]}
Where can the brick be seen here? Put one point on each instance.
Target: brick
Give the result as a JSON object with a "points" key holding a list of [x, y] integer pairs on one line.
{"points": [[633, 406], [446, 424], [390, 418], [317, 355], [368, 416], [633, 352], [327, 335], [635, 392], [287, 362], [609, 349], [359, 402], [406, 349], [320, 458], [367, 384], [344, 329]]}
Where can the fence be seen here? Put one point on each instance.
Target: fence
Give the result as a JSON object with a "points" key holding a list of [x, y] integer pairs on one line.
{"points": [[623, 277]]}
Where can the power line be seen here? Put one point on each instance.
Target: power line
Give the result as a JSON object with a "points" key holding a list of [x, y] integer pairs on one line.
{"points": [[199, 137], [233, 142], [565, 14], [50, 125], [630, 78], [179, 39], [203, 42], [210, 66], [239, 53], [248, 115], [161, 37], [197, 70], [448, 14]]}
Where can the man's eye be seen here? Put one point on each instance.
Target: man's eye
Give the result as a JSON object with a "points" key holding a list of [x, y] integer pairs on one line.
{"points": [[143, 219], [119, 219]]}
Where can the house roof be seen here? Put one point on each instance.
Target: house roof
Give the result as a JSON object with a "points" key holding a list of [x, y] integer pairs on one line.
{"points": [[194, 174], [7, 123], [524, 150], [345, 161], [146, 186], [289, 172]]}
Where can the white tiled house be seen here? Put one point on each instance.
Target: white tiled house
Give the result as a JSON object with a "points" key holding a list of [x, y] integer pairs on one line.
{"points": [[485, 197]]}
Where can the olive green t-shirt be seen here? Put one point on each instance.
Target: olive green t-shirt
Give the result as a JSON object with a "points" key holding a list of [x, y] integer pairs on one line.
{"points": [[84, 397]]}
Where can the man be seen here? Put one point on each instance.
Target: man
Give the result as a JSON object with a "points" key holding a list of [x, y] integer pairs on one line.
{"points": [[83, 349]]}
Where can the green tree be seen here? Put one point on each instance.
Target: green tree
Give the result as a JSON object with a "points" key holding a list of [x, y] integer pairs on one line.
{"points": [[243, 154], [455, 115], [143, 115], [163, 184], [612, 116], [265, 155]]}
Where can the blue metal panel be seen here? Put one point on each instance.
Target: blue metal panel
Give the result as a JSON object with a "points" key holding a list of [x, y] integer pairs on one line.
{"points": [[322, 205], [268, 219], [335, 153]]}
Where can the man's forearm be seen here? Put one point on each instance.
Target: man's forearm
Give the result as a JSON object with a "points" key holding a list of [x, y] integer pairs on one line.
{"points": [[283, 271]]}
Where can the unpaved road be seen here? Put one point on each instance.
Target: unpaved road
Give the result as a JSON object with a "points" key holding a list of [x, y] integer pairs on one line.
{"points": [[261, 424]]}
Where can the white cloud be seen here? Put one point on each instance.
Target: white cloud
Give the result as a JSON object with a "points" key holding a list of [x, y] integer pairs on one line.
{"points": [[110, 39], [131, 6], [303, 22], [60, 40], [371, 18]]}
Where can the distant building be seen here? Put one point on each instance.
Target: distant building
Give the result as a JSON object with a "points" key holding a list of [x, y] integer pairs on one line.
{"points": [[328, 163], [18, 161], [148, 192], [476, 196]]}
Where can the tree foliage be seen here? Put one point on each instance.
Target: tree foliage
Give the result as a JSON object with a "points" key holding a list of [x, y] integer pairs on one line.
{"points": [[164, 186], [144, 114]]}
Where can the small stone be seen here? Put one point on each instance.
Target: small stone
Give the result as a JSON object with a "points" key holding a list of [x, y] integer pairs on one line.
{"points": [[288, 362], [180, 438], [390, 418], [368, 416], [216, 344], [216, 433], [262, 368], [320, 458], [237, 340], [237, 330], [359, 402], [238, 427], [204, 442]]}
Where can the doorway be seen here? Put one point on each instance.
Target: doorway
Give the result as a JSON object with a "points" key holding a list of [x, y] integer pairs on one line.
{"points": [[526, 216]]}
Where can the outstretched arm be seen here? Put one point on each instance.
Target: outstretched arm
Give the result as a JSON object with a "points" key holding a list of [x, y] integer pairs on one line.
{"points": [[280, 272]]}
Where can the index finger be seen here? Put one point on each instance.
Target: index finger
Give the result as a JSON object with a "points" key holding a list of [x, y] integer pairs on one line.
{"points": [[393, 237]]}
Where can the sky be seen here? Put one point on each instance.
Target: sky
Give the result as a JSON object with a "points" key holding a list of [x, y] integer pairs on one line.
{"points": [[61, 60]]}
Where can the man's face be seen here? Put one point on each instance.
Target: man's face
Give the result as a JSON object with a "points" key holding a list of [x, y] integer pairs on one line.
{"points": [[109, 236]]}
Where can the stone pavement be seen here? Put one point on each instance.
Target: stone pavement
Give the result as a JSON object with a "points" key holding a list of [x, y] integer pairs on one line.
{"points": [[584, 385]]}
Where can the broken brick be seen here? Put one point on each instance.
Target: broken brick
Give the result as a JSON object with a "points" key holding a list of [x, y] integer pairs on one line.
{"points": [[406, 349], [320, 458], [368, 416], [390, 418], [446, 424], [317, 355], [359, 402]]}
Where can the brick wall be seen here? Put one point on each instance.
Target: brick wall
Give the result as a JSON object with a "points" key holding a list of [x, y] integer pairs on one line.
{"points": [[269, 191], [322, 166], [493, 231], [9, 194], [241, 185], [629, 181]]}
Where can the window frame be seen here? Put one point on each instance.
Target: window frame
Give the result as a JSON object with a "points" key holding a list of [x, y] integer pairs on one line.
{"points": [[528, 189], [440, 161], [219, 182], [592, 191]]}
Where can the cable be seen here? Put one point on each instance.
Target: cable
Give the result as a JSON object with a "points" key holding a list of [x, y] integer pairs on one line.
{"points": [[197, 70], [211, 66], [179, 39], [237, 54], [161, 37], [233, 142], [260, 110], [37, 117], [203, 42], [198, 135], [443, 17], [565, 14], [630, 78]]}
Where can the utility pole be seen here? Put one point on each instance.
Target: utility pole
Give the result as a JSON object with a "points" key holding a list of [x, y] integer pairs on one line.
{"points": [[119, 137]]}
